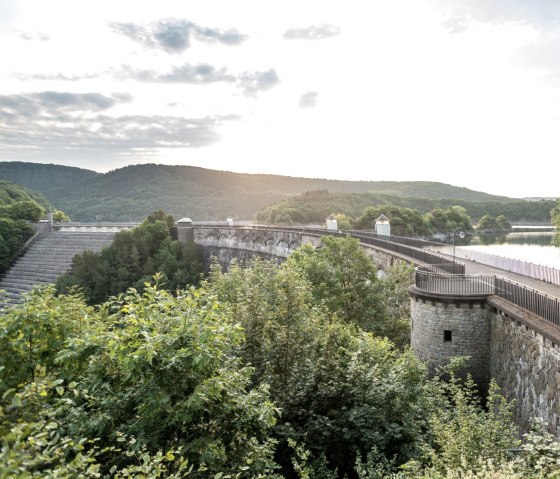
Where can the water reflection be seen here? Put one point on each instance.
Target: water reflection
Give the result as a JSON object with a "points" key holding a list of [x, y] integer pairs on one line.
{"points": [[540, 238], [534, 247]]}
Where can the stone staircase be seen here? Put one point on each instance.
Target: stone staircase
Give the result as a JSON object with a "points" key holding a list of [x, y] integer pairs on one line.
{"points": [[47, 258]]}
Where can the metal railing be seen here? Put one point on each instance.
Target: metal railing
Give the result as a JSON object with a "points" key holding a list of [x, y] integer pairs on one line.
{"points": [[539, 303], [525, 268], [429, 279], [432, 280]]}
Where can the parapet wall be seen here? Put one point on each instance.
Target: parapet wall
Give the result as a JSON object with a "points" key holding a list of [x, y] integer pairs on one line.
{"points": [[243, 244]]}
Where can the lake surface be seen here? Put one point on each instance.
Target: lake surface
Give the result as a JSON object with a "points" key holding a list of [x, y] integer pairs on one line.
{"points": [[534, 247]]}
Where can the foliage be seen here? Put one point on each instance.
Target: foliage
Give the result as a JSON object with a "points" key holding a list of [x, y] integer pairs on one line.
{"points": [[34, 333], [258, 373], [133, 257], [471, 441], [18, 206], [60, 216], [33, 442], [445, 221], [12, 192], [343, 221], [489, 223], [555, 217], [404, 221], [341, 390], [396, 302], [152, 367], [23, 210], [344, 280], [13, 235], [314, 207]]}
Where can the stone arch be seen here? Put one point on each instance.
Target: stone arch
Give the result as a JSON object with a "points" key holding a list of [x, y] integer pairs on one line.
{"points": [[294, 245]]}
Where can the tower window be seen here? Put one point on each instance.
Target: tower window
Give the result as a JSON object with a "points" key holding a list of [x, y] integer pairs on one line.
{"points": [[447, 335]]}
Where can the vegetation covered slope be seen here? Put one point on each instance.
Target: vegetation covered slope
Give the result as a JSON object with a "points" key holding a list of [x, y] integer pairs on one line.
{"points": [[11, 193], [315, 206], [131, 193], [43, 177], [18, 206]]}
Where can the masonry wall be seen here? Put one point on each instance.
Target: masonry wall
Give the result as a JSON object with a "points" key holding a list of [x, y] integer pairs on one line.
{"points": [[225, 256], [467, 322], [507, 343], [525, 361]]}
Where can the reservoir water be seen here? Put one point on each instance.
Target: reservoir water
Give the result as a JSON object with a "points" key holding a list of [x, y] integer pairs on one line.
{"points": [[531, 246]]}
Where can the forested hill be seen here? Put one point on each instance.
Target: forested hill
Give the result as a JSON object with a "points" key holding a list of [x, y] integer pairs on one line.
{"points": [[11, 193], [315, 206], [44, 177], [131, 193]]}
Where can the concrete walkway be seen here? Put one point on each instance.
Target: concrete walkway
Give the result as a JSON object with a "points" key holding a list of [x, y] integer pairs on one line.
{"points": [[472, 267]]}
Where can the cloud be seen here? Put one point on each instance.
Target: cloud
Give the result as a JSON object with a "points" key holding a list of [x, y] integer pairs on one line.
{"points": [[57, 76], [33, 36], [54, 121], [201, 74], [252, 83], [174, 35], [539, 13], [314, 32], [308, 100], [540, 49], [48, 103]]}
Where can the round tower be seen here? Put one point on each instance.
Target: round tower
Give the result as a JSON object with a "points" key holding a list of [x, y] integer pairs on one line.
{"points": [[447, 325]]}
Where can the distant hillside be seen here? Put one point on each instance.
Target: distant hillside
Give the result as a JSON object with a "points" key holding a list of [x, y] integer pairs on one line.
{"points": [[10, 193], [131, 193], [313, 207], [42, 177]]}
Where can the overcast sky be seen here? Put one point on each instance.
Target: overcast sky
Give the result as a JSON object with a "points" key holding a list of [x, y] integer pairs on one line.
{"points": [[465, 92]]}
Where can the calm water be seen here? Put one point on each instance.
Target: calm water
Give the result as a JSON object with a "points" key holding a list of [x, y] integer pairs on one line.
{"points": [[533, 247]]}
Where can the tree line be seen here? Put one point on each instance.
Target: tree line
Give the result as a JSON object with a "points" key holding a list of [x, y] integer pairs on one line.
{"points": [[315, 206]]}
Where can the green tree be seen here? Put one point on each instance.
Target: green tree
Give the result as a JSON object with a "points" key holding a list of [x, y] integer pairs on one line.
{"points": [[489, 223], [60, 216], [343, 221], [404, 221], [341, 390], [13, 234], [555, 217], [132, 259], [446, 221], [34, 333], [153, 367], [23, 210], [344, 280]]}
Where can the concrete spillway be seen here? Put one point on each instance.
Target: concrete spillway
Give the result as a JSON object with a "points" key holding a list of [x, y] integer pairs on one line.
{"points": [[47, 258]]}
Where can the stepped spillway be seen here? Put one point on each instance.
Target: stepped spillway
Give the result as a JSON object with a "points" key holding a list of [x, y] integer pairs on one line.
{"points": [[47, 258]]}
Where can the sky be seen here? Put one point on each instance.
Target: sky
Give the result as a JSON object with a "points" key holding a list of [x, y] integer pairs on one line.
{"points": [[465, 92]]}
